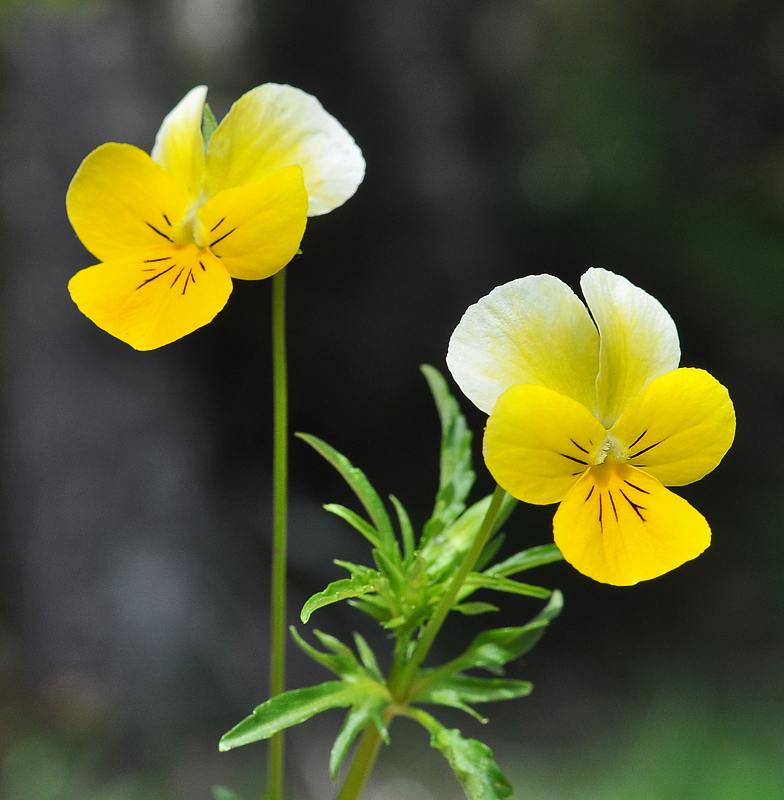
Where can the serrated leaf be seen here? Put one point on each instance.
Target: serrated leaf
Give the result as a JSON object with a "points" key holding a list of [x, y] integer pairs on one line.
{"points": [[359, 484], [358, 523], [291, 708], [357, 719], [471, 760], [222, 793], [480, 580], [532, 557], [474, 609], [335, 592]]}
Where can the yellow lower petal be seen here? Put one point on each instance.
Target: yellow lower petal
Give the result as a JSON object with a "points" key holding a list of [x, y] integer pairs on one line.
{"points": [[679, 427], [256, 230], [619, 525], [154, 298], [538, 442]]}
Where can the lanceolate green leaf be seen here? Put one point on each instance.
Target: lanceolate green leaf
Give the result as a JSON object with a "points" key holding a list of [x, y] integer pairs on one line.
{"points": [[359, 484], [459, 691], [471, 760], [473, 609], [336, 591], [479, 580], [494, 648], [406, 529], [533, 557], [446, 548], [341, 663], [368, 657], [291, 708], [457, 477], [356, 522], [357, 719]]}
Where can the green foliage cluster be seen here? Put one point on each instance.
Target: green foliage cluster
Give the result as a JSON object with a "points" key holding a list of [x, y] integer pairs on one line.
{"points": [[401, 592]]}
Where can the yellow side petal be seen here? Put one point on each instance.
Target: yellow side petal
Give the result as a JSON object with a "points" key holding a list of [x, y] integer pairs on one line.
{"points": [[618, 525], [531, 330], [538, 442], [179, 146], [639, 341], [120, 202], [679, 428], [256, 230], [153, 298], [274, 126]]}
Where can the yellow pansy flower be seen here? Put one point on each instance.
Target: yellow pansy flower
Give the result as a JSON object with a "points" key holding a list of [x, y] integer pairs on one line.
{"points": [[590, 410], [173, 228]]}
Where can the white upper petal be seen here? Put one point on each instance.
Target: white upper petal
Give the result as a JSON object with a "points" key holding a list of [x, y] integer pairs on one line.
{"points": [[531, 330], [179, 146], [638, 337], [274, 126]]}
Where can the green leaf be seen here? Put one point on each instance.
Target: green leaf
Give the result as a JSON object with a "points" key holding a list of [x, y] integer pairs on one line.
{"points": [[208, 125], [342, 663], [473, 609], [533, 557], [291, 708], [336, 591], [406, 529], [494, 648], [456, 477], [368, 657], [221, 793], [479, 580], [357, 522], [458, 691], [359, 484], [357, 719], [390, 568], [443, 551], [471, 760]]}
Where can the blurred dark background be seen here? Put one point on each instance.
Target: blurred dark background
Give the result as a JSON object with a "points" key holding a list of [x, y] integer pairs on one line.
{"points": [[503, 138]]}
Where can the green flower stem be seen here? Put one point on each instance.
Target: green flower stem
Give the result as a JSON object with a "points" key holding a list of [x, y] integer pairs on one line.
{"points": [[361, 764], [403, 674], [279, 513]]}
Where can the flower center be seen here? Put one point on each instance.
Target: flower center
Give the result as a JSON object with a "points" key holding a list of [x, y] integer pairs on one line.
{"points": [[610, 450], [189, 230]]}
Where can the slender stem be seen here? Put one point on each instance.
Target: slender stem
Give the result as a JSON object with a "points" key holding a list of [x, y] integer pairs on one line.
{"points": [[361, 764], [279, 514], [403, 675]]}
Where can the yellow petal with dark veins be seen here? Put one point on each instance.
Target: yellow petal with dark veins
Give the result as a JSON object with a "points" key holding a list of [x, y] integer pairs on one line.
{"points": [[120, 202], [256, 230], [619, 525], [538, 442], [679, 427], [155, 297]]}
